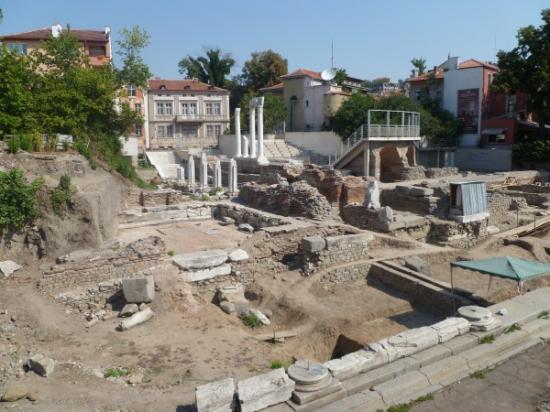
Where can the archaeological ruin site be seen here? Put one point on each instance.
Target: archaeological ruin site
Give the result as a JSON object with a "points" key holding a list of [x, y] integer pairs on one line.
{"points": [[274, 285]]}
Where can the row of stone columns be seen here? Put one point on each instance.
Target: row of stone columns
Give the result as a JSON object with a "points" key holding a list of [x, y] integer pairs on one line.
{"points": [[246, 147], [203, 174]]}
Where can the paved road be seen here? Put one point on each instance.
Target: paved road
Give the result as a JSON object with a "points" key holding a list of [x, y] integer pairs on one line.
{"points": [[520, 384]]}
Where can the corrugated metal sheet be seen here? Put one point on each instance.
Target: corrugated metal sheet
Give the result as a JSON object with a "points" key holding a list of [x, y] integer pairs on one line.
{"points": [[474, 198]]}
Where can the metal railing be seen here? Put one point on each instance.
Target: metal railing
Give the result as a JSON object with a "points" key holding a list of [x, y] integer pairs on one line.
{"points": [[398, 124]]}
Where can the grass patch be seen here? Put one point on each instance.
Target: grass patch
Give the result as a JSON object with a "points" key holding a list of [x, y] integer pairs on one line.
{"points": [[278, 363], [512, 328], [406, 407], [251, 321], [61, 196], [487, 339], [171, 253], [477, 375], [116, 372], [544, 315]]}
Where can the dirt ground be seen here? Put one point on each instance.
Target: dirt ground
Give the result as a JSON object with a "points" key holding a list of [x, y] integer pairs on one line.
{"points": [[522, 384]]}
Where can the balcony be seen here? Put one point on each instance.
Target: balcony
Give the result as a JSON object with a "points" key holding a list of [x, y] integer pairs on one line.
{"points": [[201, 118]]}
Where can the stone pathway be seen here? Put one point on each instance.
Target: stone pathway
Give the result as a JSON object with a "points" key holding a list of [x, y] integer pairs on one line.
{"points": [[517, 385]]}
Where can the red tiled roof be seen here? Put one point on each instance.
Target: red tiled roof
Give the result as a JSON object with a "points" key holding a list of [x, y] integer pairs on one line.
{"points": [[302, 73], [183, 85], [427, 76], [44, 34], [275, 87], [468, 64]]}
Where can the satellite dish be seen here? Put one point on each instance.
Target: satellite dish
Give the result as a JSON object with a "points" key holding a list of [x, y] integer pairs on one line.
{"points": [[328, 74]]}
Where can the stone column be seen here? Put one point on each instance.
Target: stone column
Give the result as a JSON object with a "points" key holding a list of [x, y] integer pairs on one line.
{"points": [[233, 188], [238, 131], [252, 131], [261, 157], [217, 174], [204, 173], [245, 146], [181, 175], [191, 172]]}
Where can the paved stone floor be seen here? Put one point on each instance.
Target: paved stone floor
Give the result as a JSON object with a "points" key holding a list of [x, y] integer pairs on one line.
{"points": [[520, 384]]}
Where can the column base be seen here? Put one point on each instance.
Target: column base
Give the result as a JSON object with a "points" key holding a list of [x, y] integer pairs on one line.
{"points": [[262, 160]]}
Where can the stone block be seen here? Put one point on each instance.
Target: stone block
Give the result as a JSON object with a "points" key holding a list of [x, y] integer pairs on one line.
{"points": [[310, 401], [138, 290], [203, 274], [261, 391], [404, 190], [200, 260], [238, 255], [128, 310], [451, 327], [414, 340], [419, 265], [313, 244], [446, 371], [348, 365], [433, 354], [418, 191], [218, 396], [40, 364], [8, 267], [368, 401], [245, 227]]}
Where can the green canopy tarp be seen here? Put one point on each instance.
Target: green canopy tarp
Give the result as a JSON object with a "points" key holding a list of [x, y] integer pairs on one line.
{"points": [[506, 267]]}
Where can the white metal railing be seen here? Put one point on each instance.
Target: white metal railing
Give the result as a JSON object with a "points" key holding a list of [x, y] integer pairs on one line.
{"points": [[398, 124]]}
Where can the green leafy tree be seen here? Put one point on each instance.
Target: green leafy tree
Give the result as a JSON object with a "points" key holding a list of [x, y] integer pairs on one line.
{"points": [[376, 82], [60, 54], [340, 77], [527, 68], [130, 45], [18, 201], [213, 68], [275, 111], [17, 86], [264, 69], [419, 64]]}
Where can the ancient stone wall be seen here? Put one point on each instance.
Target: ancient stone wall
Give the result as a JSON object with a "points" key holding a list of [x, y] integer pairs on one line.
{"points": [[459, 235], [137, 258], [320, 253], [253, 217], [161, 197]]}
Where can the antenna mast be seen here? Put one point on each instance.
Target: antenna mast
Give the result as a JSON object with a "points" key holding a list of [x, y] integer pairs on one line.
{"points": [[332, 54]]}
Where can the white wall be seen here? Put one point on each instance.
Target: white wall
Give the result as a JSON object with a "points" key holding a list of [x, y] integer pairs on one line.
{"points": [[462, 79], [314, 112], [228, 145], [484, 160], [324, 143], [129, 146]]}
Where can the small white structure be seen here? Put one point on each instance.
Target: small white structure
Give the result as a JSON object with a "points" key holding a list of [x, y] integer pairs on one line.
{"points": [[217, 174], [233, 189], [252, 128], [191, 172], [203, 173], [180, 175], [238, 131]]}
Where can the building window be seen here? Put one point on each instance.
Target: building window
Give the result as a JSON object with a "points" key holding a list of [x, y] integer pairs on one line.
{"points": [[213, 109], [307, 103], [137, 107], [96, 51], [132, 90], [19, 48], [164, 131], [188, 108], [213, 130], [511, 103], [164, 108], [189, 131], [138, 130]]}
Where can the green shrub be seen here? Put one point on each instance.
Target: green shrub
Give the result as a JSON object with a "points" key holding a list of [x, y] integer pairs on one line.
{"points": [[477, 375], [487, 339], [14, 144], [65, 145], [25, 142], [277, 363], [251, 321], [171, 253], [216, 191], [512, 328], [61, 195], [18, 201], [116, 372], [37, 143], [83, 149], [532, 151], [544, 315]]}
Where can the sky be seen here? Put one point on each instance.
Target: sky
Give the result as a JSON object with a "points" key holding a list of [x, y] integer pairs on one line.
{"points": [[372, 38]]}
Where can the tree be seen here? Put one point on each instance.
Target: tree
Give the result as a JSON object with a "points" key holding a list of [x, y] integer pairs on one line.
{"points": [[340, 77], [419, 64], [134, 70], [275, 111], [212, 68], [527, 68], [60, 54], [18, 201], [264, 69]]}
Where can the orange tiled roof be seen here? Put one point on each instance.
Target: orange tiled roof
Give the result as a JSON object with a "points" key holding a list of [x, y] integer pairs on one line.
{"points": [[426, 76], [302, 73], [44, 34], [275, 87], [183, 85], [468, 64]]}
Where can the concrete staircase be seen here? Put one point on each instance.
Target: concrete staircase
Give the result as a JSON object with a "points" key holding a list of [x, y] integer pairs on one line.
{"points": [[279, 149], [166, 163]]}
